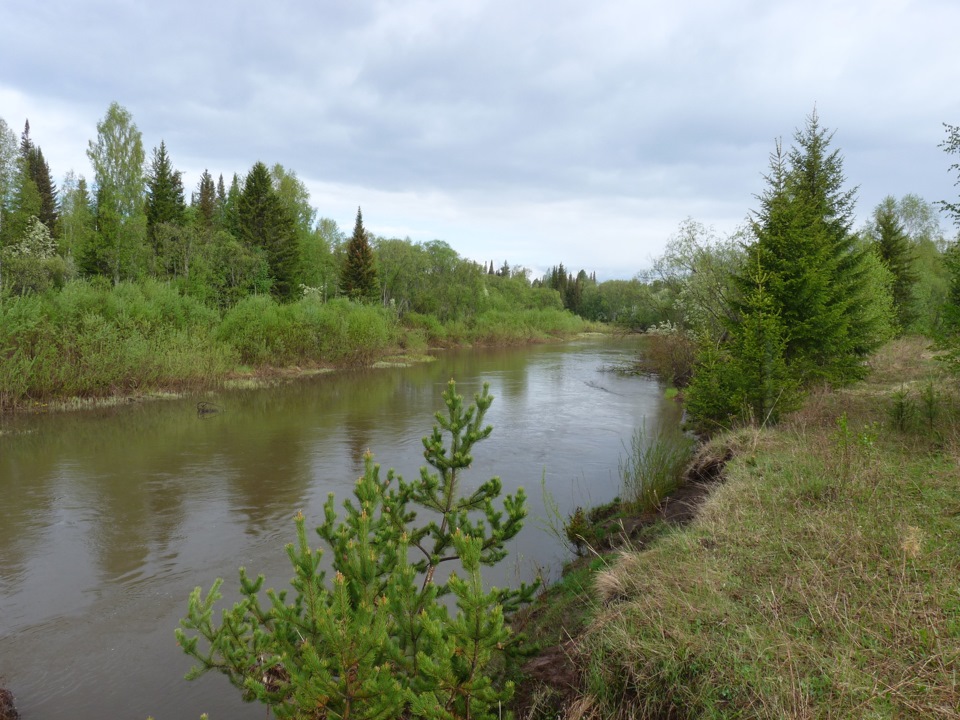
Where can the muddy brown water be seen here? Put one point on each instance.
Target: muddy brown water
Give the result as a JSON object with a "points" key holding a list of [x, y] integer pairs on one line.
{"points": [[109, 518]]}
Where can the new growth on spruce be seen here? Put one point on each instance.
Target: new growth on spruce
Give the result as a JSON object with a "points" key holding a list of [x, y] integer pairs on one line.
{"points": [[377, 640]]}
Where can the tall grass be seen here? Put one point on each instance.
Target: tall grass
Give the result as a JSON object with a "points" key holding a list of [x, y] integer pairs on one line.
{"points": [[653, 466], [91, 340]]}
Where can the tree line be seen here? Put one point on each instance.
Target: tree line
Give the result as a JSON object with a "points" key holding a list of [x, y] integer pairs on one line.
{"points": [[252, 234]]}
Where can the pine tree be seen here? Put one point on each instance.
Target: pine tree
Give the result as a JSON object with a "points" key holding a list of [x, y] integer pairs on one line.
{"points": [[265, 224], [377, 641], [358, 279]]}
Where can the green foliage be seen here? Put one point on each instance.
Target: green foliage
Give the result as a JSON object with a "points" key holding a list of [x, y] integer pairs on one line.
{"points": [[265, 332], [813, 301], [358, 278], [265, 224], [377, 641], [92, 340], [32, 265], [748, 380], [164, 204], [895, 249], [35, 169], [118, 158], [653, 466]]}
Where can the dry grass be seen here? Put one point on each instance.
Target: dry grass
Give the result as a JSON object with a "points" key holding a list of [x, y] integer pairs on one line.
{"points": [[820, 581]]}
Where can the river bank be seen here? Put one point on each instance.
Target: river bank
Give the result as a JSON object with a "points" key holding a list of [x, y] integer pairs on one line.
{"points": [[817, 580], [90, 345]]}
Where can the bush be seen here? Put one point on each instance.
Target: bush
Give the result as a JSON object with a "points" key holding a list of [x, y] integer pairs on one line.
{"points": [[307, 331], [668, 352], [378, 641], [93, 339]]}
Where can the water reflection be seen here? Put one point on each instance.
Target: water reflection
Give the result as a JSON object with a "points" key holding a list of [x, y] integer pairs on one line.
{"points": [[111, 517]]}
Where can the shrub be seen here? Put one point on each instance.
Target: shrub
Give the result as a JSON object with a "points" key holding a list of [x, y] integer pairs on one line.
{"points": [[378, 641]]}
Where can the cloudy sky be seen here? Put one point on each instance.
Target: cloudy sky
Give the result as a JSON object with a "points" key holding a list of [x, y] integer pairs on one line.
{"points": [[530, 131]]}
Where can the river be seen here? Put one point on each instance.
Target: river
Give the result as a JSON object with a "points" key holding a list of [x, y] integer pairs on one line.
{"points": [[110, 517]]}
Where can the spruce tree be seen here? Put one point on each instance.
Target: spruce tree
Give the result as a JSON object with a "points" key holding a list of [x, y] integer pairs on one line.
{"points": [[358, 279], [893, 245], [34, 166], [813, 262], [165, 202], [376, 640], [265, 224], [39, 172], [206, 200]]}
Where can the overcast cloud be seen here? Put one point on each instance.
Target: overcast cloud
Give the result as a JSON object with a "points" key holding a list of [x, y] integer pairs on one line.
{"points": [[528, 131]]}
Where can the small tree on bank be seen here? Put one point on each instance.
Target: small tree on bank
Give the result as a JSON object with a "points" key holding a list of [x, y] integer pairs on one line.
{"points": [[813, 302], [376, 641], [358, 280]]}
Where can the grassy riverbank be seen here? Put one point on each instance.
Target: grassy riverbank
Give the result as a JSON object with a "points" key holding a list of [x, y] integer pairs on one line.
{"points": [[818, 580], [93, 340]]}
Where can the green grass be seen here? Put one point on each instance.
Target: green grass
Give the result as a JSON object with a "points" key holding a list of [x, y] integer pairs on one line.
{"points": [[819, 581], [653, 466]]}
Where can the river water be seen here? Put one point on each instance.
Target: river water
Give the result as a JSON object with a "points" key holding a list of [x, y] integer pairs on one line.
{"points": [[110, 517]]}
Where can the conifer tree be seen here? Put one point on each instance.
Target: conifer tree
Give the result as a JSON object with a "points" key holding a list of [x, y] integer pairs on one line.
{"points": [[221, 203], [265, 224], [39, 172], [165, 205], [897, 253], [748, 378], [206, 200], [376, 641], [813, 301], [33, 168], [812, 260], [358, 279]]}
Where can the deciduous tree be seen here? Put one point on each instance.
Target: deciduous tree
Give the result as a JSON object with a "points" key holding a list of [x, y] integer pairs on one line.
{"points": [[117, 157]]}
